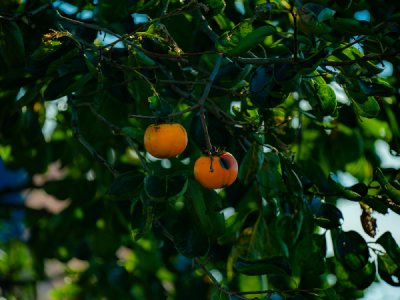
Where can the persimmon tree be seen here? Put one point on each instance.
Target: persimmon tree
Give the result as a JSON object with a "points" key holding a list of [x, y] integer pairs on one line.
{"points": [[260, 80]]}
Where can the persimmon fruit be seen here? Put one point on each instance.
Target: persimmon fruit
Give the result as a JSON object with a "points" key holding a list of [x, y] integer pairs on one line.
{"points": [[225, 171], [165, 140]]}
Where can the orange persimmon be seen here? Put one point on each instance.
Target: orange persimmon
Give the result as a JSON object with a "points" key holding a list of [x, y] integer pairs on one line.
{"points": [[165, 140], [225, 171]]}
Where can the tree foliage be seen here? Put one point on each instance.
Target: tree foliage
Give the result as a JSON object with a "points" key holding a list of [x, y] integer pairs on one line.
{"points": [[295, 91]]}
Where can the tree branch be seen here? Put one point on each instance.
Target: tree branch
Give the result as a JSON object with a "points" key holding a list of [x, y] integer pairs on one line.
{"points": [[80, 138], [19, 16], [173, 115]]}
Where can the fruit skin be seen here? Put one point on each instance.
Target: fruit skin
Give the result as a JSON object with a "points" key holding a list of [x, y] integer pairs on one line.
{"points": [[165, 140], [225, 171]]}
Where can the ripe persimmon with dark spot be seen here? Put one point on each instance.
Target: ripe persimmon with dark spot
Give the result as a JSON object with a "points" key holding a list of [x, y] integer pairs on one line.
{"points": [[165, 140], [225, 171]]}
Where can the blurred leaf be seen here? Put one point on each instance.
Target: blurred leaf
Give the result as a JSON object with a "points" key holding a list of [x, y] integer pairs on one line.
{"points": [[270, 175], [135, 133], [11, 44], [364, 106], [353, 27], [141, 217], [387, 241], [78, 84], [274, 265], [355, 193], [331, 294], [27, 98], [251, 164], [220, 295], [230, 39], [251, 40], [335, 4], [292, 180], [376, 87], [187, 239], [126, 186], [310, 64], [310, 254], [388, 269], [356, 279], [160, 107], [324, 214]]}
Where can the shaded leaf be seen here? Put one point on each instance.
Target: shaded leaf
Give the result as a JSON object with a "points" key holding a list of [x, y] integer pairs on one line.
{"points": [[310, 254], [388, 189], [351, 250], [141, 217], [220, 295], [388, 269], [274, 265], [126, 186], [251, 164], [11, 44], [325, 215], [387, 241], [163, 188], [291, 179], [355, 193], [135, 133], [360, 279]]}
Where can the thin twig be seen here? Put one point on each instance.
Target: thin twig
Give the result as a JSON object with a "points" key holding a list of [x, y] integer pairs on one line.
{"points": [[202, 100], [173, 115], [81, 139], [141, 158], [19, 16], [348, 45]]}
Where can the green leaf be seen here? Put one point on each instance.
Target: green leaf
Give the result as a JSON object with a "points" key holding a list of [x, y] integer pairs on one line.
{"points": [[58, 63], [232, 225], [376, 87], [310, 254], [80, 83], [364, 106], [387, 241], [188, 240], [16, 83], [353, 27], [137, 58], [325, 215], [29, 96], [331, 294], [326, 99], [338, 5], [388, 189], [165, 188], [251, 40], [126, 186], [141, 217], [215, 7], [214, 205], [57, 86], [49, 44], [310, 64], [347, 193], [289, 226], [278, 265], [135, 133], [360, 279], [292, 180], [251, 164], [394, 18], [388, 269], [350, 249], [160, 107], [11, 44], [230, 39], [270, 175], [220, 295]]}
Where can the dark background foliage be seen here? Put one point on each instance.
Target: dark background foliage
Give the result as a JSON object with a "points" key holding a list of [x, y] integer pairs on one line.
{"points": [[296, 101]]}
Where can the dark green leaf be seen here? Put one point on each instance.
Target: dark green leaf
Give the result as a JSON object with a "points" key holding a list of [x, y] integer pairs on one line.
{"points": [[325, 215], [375, 204], [57, 86], [78, 84], [310, 64], [160, 107], [376, 87], [29, 96], [126, 186], [270, 175], [310, 254], [388, 269], [387, 241], [187, 238], [289, 226], [364, 106], [141, 217], [232, 225], [251, 40], [135, 133], [251, 164], [360, 279], [355, 193], [338, 5], [11, 44], [163, 188], [331, 294], [230, 39], [292, 180], [351, 250], [220, 295], [353, 27], [279, 265], [16, 83]]}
